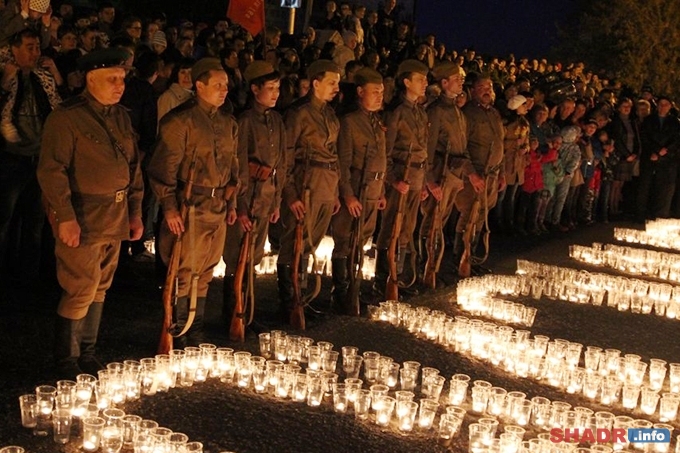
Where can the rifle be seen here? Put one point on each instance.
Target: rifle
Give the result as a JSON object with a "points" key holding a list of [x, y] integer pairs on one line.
{"points": [[237, 330], [356, 256], [392, 287], [171, 281], [297, 315], [435, 236], [465, 266]]}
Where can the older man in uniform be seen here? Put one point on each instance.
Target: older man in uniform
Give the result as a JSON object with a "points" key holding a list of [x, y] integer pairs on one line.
{"points": [[312, 168], [90, 177], [196, 133], [447, 143], [407, 132], [261, 148], [485, 133], [362, 156]]}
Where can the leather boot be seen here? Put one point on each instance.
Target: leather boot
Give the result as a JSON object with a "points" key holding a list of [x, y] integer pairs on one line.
{"points": [[228, 300], [88, 362], [67, 334], [382, 273], [340, 286], [458, 248], [407, 270], [196, 333], [284, 274], [180, 314]]}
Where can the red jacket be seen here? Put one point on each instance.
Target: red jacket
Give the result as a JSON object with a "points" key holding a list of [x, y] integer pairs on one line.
{"points": [[533, 173]]}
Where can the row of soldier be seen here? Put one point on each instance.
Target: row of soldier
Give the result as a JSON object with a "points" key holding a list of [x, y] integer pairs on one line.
{"points": [[217, 178]]}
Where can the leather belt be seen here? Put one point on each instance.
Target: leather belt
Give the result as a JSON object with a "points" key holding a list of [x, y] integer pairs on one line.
{"points": [[370, 175], [332, 166], [118, 196], [205, 191], [416, 165]]}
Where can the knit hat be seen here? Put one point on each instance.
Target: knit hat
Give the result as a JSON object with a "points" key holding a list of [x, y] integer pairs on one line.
{"points": [[516, 101], [367, 75], [409, 66], [257, 69], [320, 67], [205, 65], [445, 70], [40, 6], [159, 39]]}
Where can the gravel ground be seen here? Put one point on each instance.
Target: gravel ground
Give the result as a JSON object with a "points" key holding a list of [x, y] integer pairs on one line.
{"points": [[226, 418]]}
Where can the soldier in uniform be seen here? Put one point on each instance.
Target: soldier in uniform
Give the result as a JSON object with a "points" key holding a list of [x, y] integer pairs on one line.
{"points": [[197, 131], [90, 177], [407, 126], [262, 143], [361, 152], [485, 134], [311, 190], [447, 136]]}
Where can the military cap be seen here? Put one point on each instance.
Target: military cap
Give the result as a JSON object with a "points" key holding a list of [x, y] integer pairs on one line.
{"points": [[115, 57], [446, 69], [257, 69], [320, 67], [408, 66], [203, 66], [367, 75]]}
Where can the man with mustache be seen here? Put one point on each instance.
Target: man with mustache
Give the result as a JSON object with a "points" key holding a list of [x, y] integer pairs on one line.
{"points": [[90, 177]]}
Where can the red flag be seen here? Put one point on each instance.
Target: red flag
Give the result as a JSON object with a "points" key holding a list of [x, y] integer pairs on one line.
{"points": [[249, 14]]}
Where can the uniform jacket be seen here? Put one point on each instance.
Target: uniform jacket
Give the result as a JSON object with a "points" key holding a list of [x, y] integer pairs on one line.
{"points": [[485, 137], [85, 177], [212, 135], [407, 128]]}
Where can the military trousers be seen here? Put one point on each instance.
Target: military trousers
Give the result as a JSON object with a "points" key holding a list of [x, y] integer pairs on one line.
{"points": [[232, 246], [450, 190], [466, 198]]}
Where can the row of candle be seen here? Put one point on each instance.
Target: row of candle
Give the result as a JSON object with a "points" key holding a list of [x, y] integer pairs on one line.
{"points": [[579, 286], [645, 237], [606, 375], [505, 311], [636, 261]]}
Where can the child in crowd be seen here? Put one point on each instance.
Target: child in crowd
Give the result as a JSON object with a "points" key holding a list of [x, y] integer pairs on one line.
{"points": [[553, 174], [605, 166], [530, 191]]}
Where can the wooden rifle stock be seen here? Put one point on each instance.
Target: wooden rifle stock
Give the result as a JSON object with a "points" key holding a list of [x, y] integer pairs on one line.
{"points": [[165, 342], [392, 287], [436, 235], [465, 267], [297, 315]]}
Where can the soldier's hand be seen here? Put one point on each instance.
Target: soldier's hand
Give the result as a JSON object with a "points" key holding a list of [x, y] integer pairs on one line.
{"points": [[654, 157], [353, 205], [275, 216], [663, 152], [435, 190], [136, 228], [631, 158], [69, 233], [502, 183], [402, 187], [246, 224], [298, 208], [337, 205], [232, 216], [382, 203], [477, 182], [424, 194], [175, 223]]}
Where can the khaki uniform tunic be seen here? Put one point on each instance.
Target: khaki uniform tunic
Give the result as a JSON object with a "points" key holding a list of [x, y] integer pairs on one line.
{"points": [[448, 135], [311, 130], [485, 145], [361, 142], [262, 141], [407, 128], [87, 177], [210, 134]]}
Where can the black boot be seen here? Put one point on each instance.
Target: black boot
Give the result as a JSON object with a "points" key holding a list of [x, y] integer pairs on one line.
{"points": [[228, 300], [340, 286], [478, 269], [88, 361], [196, 333], [67, 334], [382, 273], [408, 268], [180, 314], [284, 274]]}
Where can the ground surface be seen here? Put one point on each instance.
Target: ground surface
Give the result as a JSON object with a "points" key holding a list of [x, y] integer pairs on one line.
{"points": [[226, 418]]}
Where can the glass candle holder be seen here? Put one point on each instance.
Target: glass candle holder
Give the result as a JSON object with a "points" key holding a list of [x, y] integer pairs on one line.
{"points": [[406, 415], [92, 433], [45, 399], [383, 414], [362, 404], [427, 412], [340, 398], [458, 389]]}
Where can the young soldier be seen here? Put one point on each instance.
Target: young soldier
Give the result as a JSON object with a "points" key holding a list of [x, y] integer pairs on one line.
{"points": [[90, 176], [196, 133], [361, 152], [262, 143], [312, 167], [447, 135], [485, 134], [406, 123]]}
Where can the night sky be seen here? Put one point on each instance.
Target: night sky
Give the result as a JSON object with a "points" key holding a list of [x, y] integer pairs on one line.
{"points": [[493, 27]]}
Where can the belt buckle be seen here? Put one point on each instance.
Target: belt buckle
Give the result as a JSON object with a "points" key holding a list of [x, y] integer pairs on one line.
{"points": [[120, 196], [212, 192], [379, 175]]}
